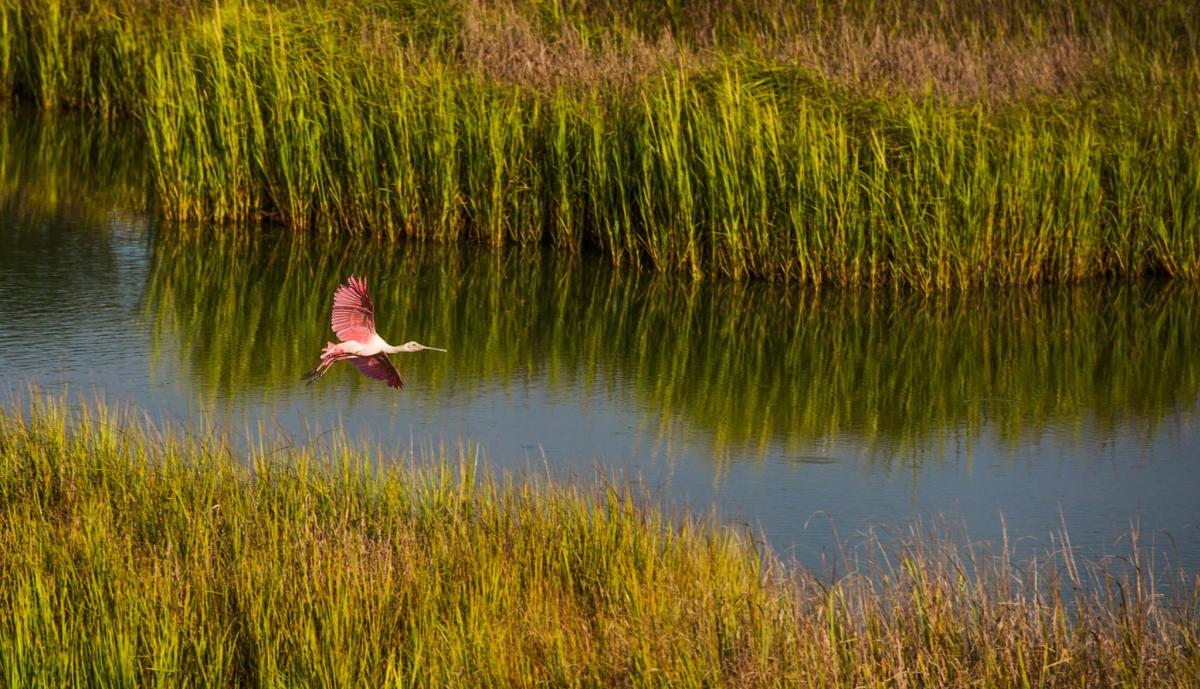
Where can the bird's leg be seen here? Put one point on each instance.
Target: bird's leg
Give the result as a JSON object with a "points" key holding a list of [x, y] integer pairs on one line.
{"points": [[315, 374], [329, 356]]}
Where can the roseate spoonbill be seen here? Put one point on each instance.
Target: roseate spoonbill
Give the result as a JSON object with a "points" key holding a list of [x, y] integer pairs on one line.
{"points": [[354, 323]]}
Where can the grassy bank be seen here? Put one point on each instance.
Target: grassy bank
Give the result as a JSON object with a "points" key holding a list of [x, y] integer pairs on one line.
{"points": [[869, 144], [130, 555]]}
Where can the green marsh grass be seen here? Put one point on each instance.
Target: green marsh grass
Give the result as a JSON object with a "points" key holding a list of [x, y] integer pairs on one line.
{"points": [[705, 156], [135, 555]]}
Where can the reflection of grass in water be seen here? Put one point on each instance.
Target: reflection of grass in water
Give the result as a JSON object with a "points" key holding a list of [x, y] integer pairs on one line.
{"points": [[65, 165], [135, 556], [902, 373], [63, 183], [751, 365]]}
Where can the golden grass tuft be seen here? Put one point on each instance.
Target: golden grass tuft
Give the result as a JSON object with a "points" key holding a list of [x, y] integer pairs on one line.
{"points": [[131, 554]]}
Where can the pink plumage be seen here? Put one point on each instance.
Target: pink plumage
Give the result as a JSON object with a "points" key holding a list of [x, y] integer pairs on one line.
{"points": [[379, 367], [353, 320], [353, 313]]}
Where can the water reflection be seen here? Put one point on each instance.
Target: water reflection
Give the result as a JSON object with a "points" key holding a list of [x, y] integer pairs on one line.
{"points": [[73, 244], [755, 368], [70, 169]]}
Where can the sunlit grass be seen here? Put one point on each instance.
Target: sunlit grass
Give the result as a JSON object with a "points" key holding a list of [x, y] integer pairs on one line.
{"points": [[729, 160], [136, 555]]}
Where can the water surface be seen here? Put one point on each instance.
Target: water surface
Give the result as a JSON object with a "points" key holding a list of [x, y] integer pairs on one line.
{"points": [[797, 411]]}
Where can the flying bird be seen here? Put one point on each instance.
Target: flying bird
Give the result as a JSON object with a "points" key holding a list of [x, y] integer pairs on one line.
{"points": [[354, 324]]}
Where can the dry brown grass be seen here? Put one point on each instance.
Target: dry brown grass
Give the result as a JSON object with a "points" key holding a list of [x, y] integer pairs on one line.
{"points": [[503, 43], [960, 51], [924, 61]]}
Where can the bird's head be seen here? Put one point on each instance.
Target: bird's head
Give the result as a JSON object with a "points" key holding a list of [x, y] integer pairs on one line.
{"points": [[416, 347]]}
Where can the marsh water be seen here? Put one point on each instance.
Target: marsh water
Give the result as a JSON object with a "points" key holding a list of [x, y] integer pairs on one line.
{"points": [[814, 415]]}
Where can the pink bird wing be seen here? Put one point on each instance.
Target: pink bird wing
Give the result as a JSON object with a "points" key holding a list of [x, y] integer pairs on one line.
{"points": [[353, 313], [379, 367]]}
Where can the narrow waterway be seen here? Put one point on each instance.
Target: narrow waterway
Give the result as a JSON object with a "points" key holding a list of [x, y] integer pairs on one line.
{"points": [[815, 416]]}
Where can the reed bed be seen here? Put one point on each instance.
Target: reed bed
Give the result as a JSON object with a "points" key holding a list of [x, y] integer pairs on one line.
{"points": [[694, 140], [135, 555]]}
